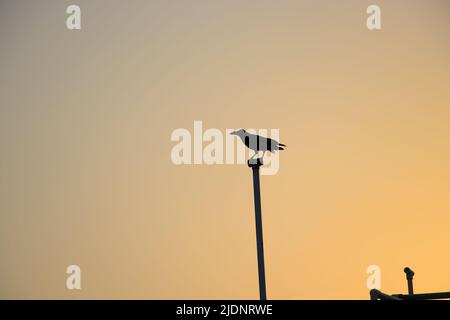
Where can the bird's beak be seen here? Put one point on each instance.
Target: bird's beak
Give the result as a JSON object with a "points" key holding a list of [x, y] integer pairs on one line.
{"points": [[233, 133]]}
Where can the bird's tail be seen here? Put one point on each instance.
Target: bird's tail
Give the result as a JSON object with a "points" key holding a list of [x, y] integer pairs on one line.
{"points": [[281, 146]]}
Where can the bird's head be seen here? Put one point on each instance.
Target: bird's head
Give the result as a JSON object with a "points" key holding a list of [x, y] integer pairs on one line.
{"points": [[239, 133]]}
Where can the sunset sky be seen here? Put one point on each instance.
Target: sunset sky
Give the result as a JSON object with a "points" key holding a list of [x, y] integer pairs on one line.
{"points": [[86, 176]]}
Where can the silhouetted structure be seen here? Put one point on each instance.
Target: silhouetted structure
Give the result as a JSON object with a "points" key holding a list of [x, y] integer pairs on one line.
{"points": [[378, 295], [258, 222]]}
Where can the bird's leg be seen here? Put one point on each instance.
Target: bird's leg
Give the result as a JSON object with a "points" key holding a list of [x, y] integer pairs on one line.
{"points": [[256, 152]]}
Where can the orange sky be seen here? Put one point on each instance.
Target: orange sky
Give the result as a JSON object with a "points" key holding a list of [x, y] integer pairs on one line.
{"points": [[86, 176]]}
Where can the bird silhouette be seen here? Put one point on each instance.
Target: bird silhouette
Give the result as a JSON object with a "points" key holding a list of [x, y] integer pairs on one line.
{"points": [[258, 143]]}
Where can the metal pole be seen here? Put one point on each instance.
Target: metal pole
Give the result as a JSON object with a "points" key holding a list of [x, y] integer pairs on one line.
{"points": [[255, 165]]}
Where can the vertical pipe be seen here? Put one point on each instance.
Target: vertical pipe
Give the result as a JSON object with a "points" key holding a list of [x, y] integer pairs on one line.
{"points": [[259, 231], [409, 279]]}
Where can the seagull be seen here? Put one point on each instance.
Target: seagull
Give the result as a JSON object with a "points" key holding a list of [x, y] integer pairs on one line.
{"points": [[258, 143]]}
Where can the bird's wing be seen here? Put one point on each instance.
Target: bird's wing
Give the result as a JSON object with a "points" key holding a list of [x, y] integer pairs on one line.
{"points": [[265, 143], [252, 141]]}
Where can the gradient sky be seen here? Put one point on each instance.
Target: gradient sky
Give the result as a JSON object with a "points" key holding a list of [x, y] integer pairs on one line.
{"points": [[86, 176]]}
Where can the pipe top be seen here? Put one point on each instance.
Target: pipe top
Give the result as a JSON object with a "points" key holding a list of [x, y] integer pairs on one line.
{"points": [[255, 163], [409, 273]]}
